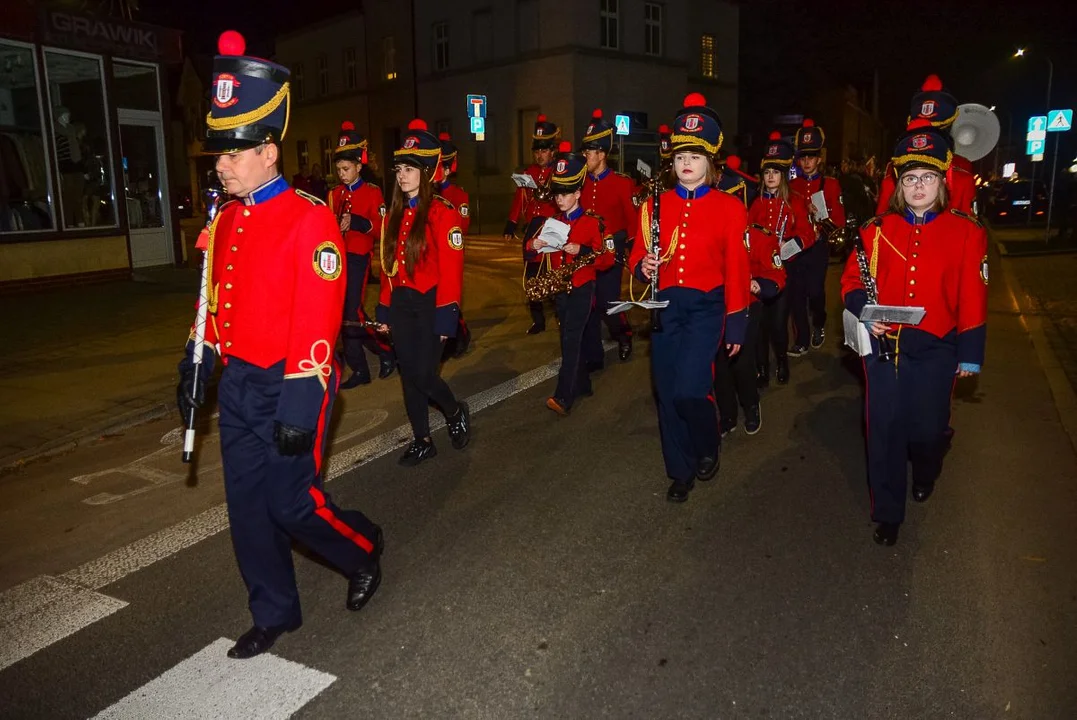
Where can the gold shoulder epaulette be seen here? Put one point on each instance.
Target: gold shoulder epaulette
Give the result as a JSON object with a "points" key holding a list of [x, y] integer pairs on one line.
{"points": [[970, 218], [447, 203], [312, 199], [876, 221], [596, 216]]}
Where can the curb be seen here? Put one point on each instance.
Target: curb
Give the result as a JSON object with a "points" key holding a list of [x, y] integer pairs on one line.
{"points": [[67, 444]]}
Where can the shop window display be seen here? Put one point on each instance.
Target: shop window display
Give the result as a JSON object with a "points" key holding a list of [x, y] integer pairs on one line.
{"points": [[25, 189]]}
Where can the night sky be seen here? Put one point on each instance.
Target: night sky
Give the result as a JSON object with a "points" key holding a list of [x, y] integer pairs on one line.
{"points": [[836, 42]]}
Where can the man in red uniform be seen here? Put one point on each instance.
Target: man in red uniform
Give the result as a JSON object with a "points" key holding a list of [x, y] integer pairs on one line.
{"points": [[810, 141], [458, 197], [529, 204], [359, 207], [939, 108], [609, 195], [276, 286]]}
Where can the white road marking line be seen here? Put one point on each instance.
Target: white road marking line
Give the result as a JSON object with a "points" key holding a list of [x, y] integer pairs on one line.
{"points": [[45, 610], [209, 685], [59, 621]]}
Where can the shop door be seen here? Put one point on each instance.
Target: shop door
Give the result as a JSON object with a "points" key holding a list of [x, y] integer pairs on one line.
{"points": [[142, 146]]}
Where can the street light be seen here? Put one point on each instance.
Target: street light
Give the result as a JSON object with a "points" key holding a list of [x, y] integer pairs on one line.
{"points": [[1020, 53]]}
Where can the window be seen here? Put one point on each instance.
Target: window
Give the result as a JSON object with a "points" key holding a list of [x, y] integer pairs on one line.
{"points": [[652, 26], [527, 25], [134, 86], [708, 67], [609, 21], [297, 81], [327, 156], [83, 146], [25, 205], [323, 74], [442, 126], [302, 153], [441, 46], [482, 34], [388, 52], [350, 75]]}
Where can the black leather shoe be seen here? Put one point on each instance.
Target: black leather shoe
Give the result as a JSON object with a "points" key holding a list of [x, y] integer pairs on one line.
{"points": [[798, 350], [818, 337], [678, 492], [418, 451], [535, 329], [920, 493], [624, 348], [355, 380], [257, 640], [387, 368], [762, 376], [886, 533], [781, 374], [708, 467], [364, 583], [460, 427], [753, 419]]}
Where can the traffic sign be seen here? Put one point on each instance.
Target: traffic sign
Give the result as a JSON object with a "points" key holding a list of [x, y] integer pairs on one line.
{"points": [[1059, 120], [476, 106], [623, 124], [1037, 122], [1034, 147], [1038, 157], [1036, 135], [478, 125]]}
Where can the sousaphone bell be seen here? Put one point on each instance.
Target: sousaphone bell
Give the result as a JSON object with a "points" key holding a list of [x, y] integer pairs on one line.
{"points": [[975, 131]]}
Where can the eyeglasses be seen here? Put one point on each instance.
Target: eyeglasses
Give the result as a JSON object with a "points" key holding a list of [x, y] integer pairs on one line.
{"points": [[927, 179]]}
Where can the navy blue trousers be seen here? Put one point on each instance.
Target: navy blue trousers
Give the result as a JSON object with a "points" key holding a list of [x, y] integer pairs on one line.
{"points": [[607, 290], [819, 255], [273, 499], [734, 377], [682, 365], [357, 338], [797, 282], [908, 412], [573, 312]]}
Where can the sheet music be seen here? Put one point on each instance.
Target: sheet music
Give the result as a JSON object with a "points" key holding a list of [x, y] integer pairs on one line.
{"points": [[624, 305], [555, 234], [857, 336], [644, 168], [788, 249], [524, 180], [891, 314], [819, 201]]}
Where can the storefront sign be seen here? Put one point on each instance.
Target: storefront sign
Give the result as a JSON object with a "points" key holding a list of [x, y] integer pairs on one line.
{"points": [[112, 37]]}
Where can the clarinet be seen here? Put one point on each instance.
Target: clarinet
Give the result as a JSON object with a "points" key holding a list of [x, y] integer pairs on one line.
{"points": [[871, 289], [213, 198], [345, 208], [656, 247]]}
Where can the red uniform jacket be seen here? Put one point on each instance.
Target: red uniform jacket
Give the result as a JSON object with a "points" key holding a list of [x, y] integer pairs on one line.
{"points": [[277, 283], [769, 211], [367, 206], [710, 230], [441, 265], [960, 183], [610, 197], [808, 186], [940, 265], [587, 232], [765, 262], [524, 204], [458, 197]]}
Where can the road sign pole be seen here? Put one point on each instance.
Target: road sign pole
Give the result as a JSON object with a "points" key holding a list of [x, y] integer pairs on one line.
{"points": [[621, 152], [1051, 192]]}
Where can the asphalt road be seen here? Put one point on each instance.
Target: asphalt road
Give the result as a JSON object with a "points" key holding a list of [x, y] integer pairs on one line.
{"points": [[541, 573]]}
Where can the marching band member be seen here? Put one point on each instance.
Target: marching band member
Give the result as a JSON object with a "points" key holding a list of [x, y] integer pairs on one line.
{"points": [[810, 141], [422, 259], [735, 377], [528, 204], [360, 207], [575, 306], [459, 198], [784, 213], [608, 195], [703, 272], [733, 164], [731, 183], [917, 254], [276, 289], [939, 108]]}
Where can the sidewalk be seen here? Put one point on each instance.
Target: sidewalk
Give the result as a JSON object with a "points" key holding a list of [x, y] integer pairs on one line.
{"points": [[79, 361]]}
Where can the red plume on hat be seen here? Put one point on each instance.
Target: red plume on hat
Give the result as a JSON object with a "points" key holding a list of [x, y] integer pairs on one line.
{"points": [[733, 162], [417, 124], [564, 147], [919, 124], [808, 122], [231, 43], [444, 137], [663, 130], [597, 114], [541, 118], [695, 100], [775, 135], [347, 125], [932, 84]]}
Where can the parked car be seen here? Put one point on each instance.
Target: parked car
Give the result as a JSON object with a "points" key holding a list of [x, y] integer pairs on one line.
{"points": [[1017, 202]]}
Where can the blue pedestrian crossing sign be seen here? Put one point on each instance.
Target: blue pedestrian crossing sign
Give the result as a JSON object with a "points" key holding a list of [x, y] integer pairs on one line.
{"points": [[1059, 120], [623, 124]]}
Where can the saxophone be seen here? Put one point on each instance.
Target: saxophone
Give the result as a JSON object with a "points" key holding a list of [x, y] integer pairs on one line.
{"points": [[557, 280]]}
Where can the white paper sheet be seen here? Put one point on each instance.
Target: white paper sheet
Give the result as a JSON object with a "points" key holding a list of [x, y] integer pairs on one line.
{"points": [[819, 201], [644, 168], [524, 180], [857, 336], [625, 305], [892, 314], [788, 249], [555, 234]]}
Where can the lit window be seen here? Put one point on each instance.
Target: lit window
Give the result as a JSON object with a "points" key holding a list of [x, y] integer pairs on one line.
{"points": [[388, 51], [350, 75], [708, 66], [652, 25], [441, 46], [609, 25]]}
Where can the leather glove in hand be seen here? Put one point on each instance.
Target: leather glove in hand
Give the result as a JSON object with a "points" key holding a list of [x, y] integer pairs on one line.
{"points": [[186, 400], [292, 440]]}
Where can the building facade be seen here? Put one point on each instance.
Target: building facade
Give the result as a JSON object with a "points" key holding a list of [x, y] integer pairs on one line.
{"points": [[562, 58], [84, 182]]}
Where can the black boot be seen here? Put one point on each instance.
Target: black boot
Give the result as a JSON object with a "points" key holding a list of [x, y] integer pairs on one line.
{"points": [[357, 379], [762, 375], [624, 348], [782, 372], [388, 365]]}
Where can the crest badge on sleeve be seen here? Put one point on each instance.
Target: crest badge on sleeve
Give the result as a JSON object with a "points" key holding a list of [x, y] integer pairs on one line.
{"points": [[327, 263], [456, 239], [983, 270], [463, 210]]}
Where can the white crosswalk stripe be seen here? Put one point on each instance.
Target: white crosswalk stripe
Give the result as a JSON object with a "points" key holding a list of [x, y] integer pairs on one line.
{"points": [[209, 685]]}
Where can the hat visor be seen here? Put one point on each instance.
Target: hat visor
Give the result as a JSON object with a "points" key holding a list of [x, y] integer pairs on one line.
{"points": [[542, 144], [780, 165], [809, 152], [562, 189], [223, 146], [356, 157], [915, 165], [691, 148]]}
